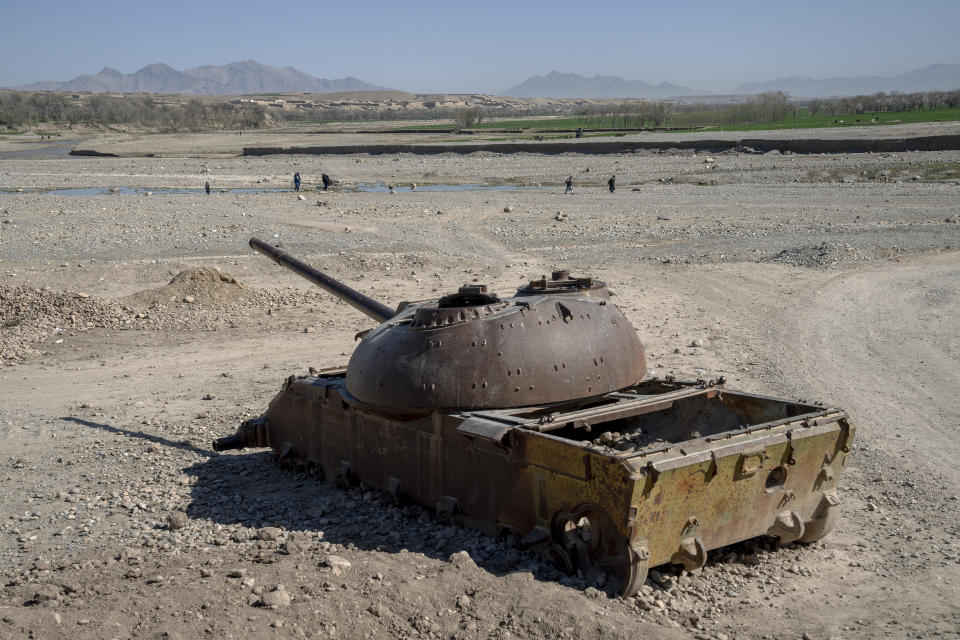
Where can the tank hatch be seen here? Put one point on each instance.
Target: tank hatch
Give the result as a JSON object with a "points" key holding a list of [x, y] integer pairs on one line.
{"points": [[562, 282]]}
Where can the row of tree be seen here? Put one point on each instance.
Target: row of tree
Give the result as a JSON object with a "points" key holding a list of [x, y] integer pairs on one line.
{"points": [[629, 114], [765, 107], [19, 109], [643, 114], [886, 102]]}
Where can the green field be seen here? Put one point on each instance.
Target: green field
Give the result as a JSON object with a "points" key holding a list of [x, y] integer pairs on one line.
{"points": [[801, 120], [804, 120]]}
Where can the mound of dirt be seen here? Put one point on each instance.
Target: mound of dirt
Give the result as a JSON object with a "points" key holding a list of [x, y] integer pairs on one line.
{"points": [[829, 255], [30, 315], [199, 285]]}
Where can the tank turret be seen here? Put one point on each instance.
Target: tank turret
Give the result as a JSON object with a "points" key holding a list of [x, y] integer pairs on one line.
{"points": [[555, 340]]}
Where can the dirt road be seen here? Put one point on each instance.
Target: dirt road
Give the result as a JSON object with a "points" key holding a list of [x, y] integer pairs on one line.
{"points": [[831, 278]]}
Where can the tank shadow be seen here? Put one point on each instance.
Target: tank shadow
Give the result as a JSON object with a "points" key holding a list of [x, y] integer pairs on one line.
{"points": [[244, 492], [185, 446], [238, 493]]}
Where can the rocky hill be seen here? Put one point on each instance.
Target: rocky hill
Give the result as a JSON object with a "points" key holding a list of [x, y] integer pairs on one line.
{"points": [[942, 77], [234, 78], [572, 85]]}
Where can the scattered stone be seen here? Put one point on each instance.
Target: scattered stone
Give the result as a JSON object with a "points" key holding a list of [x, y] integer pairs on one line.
{"points": [[45, 593], [336, 563], [294, 544], [268, 533], [177, 520], [237, 573], [462, 559], [276, 599]]}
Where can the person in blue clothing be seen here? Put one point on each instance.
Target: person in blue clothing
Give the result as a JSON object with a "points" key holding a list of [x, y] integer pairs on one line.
{"points": [[296, 181]]}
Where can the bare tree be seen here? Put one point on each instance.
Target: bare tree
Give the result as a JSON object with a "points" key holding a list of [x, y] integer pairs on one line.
{"points": [[468, 117]]}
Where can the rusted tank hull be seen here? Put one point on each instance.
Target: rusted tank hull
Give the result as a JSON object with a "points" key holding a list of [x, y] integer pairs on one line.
{"points": [[701, 467]]}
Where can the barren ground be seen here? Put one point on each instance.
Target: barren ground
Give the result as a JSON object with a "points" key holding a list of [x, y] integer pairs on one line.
{"points": [[832, 278]]}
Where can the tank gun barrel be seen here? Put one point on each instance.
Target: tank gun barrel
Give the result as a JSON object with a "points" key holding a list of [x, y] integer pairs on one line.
{"points": [[364, 304]]}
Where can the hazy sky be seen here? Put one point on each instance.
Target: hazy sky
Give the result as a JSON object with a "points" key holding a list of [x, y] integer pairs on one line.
{"points": [[484, 46]]}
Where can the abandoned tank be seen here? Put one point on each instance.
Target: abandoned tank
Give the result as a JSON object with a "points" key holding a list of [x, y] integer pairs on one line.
{"points": [[532, 415]]}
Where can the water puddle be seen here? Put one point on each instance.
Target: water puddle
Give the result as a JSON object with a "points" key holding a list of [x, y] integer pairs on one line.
{"points": [[53, 151]]}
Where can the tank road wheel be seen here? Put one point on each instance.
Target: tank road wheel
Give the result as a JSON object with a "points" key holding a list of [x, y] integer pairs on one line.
{"points": [[557, 555], [587, 540]]}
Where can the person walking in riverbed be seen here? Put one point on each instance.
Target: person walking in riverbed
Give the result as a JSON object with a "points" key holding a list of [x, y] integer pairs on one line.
{"points": [[569, 183], [206, 187], [612, 183], [296, 181], [326, 181]]}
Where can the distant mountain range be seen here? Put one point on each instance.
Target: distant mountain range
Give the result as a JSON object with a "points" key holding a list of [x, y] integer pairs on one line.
{"points": [[573, 85], [240, 78], [235, 78], [944, 77]]}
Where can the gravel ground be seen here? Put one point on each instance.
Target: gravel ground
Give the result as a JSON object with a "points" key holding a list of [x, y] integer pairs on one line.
{"points": [[134, 329]]}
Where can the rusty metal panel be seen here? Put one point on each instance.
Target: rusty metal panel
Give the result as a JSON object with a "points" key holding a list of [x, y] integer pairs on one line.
{"points": [[584, 506]]}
